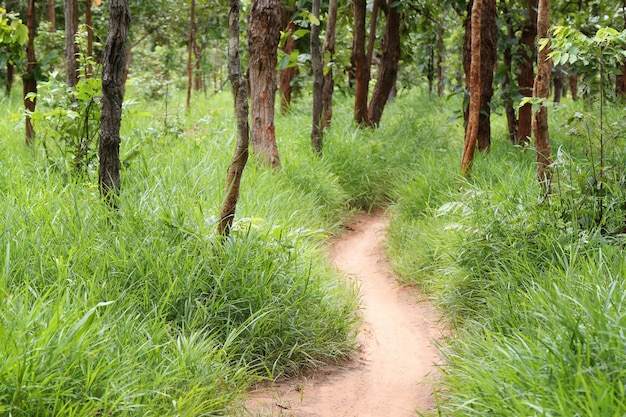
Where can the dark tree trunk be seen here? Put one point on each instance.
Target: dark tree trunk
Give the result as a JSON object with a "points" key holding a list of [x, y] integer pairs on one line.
{"points": [[573, 86], [542, 90], [388, 65], [235, 171], [471, 131], [440, 54], [488, 61], [287, 74], [511, 117], [190, 48], [263, 37], [29, 80], [467, 58], [71, 28], [329, 50], [318, 81], [558, 83], [360, 63], [51, 15], [526, 77], [10, 78], [113, 68]]}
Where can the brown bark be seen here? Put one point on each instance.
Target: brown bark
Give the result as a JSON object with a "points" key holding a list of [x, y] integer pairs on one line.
{"points": [[573, 86], [328, 49], [29, 81], [526, 75], [51, 15], [471, 131], [558, 83], [71, 28], [287, 74], [388, 65], [237, 165], [318, 81], [511, 118], [360, 63], [542, 90], [190, 48], [263, 37], [113, 69], [489, 34]]}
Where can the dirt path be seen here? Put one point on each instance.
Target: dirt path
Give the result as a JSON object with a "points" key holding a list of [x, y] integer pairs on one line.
{"points": [[388, 376]]}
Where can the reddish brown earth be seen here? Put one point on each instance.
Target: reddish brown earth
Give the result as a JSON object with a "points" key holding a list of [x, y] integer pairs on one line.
{"points": [[391, 373]]}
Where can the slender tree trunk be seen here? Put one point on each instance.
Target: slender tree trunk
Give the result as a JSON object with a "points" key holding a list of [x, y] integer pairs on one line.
{"points": [[287, 74], [113, 69], [558, 83], [318, 81], [88, 22], [360, 63], [511, 118], [372, 34], [51, 15], [263, 37], [526, 74], [388, 66], [440, 55], [573, 85], [471, 131], [542, 90], [29, 80], [190, 47], [328, 50], [8, 86], [71, 49], [235, 171], [487, 66]]}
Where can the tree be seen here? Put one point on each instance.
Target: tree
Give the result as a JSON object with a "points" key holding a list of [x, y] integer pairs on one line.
{"points": [[388, 64], [360, 63], [526, 74], [318, 79], [328, 53], [71, 49], [263, 38], [541, 90], [235, 171], [113, 68], [471, 131], [29, 79], [51, 15]]}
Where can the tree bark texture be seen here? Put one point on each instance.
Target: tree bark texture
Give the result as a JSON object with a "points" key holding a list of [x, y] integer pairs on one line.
{"points": [[51, 15], [542, 90], [287, 75], [471, 131], [511, 117], [328, 50], [318, 81], [388, 65], [526, 75], [237, 165], [573, 86], [360, 63], [190, 49], [113, 68], [29, 80], [263, 37], [71, 49], [488, 52]]}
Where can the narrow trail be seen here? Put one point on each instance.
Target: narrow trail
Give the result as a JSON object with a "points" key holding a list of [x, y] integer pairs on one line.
{"points": [[391, 373]]}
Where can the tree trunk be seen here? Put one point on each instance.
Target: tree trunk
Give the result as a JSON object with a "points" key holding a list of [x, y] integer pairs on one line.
{"points": [[511, 118], [51, 15], [318, 81], [190, 47], [487, 65], [388, 65], [328, 51], [360, 63], [372, 34], [542, 90], [287, 74], [440, 54], [113, 69], [263, 37], [526, 75], [29, 80], [558, 83], [8, 86], [235, 171], [471, 131], [573, 85], [89, 25], [71, 49]]}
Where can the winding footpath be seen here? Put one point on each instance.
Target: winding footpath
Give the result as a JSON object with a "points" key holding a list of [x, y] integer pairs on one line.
{"points": [[391, 373]]}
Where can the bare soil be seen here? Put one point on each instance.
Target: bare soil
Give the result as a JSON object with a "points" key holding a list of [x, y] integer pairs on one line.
{"points": [[392, 372]]}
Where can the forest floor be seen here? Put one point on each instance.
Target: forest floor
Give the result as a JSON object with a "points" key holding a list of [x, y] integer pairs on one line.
{"points": [[392, 372]]}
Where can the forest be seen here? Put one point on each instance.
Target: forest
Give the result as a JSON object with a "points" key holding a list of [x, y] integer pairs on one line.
{"points": [[174, 173]]}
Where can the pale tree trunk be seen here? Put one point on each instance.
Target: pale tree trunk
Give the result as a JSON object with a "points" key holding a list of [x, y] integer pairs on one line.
{"points": [[263, 37], [28, 79], [360, 63], [542, 90], [471, 131], [328, 50], [388, 65], [318, 81], [113, 68], [71, 28], [526, 75], [237, 165], [190, 48]]}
